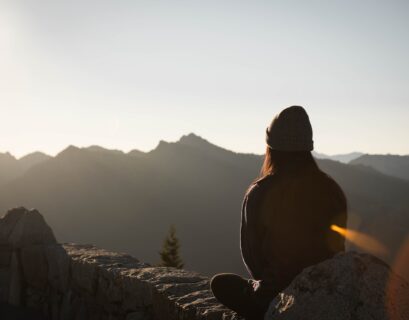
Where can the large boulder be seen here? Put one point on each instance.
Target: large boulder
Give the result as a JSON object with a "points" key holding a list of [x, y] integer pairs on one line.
{"points": [[34, 265], [9, 221], [21, 227], [349, 286], [58, 263], [16, 281], [24, 237]]}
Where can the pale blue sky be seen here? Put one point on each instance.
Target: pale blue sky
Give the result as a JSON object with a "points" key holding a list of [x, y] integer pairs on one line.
{"points": [[126, 74]]}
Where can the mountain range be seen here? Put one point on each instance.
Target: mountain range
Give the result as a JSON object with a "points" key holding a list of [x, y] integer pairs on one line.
{"points": [[11, 168], [393, 165], [127, 201], [344, 158]]}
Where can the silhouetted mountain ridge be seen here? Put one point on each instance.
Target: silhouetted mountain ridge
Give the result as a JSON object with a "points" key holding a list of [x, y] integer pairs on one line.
{"points": [[393, 165], [344, 158], [11, 167], [103, 150], [33, 159], [126, 201]]}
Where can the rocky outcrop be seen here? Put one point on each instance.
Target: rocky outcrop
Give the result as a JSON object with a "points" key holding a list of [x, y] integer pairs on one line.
{"points": [[21, 228], [120, 286], [23, 237], [75, 282], [351, 286], [72, 281]]}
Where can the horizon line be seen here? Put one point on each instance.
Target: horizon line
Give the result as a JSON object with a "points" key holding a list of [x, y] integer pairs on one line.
{"points": [[178, 140]]}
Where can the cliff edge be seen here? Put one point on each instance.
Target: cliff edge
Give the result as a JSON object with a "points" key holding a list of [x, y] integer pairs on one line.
{"points": [[72, 281]]}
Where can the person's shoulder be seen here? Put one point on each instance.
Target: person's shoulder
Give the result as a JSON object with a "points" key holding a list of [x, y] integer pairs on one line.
{"points": [[256, 191], [328, 180], [260, 185], [330, 185]]}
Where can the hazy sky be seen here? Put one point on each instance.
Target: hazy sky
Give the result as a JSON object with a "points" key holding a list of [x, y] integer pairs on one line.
{"points": [[125, 74]]}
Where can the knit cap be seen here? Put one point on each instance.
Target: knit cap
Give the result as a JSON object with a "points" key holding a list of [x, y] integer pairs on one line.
{"points": [[290, 130]]}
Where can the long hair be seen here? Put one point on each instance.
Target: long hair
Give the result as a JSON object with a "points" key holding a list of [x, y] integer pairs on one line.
{"points": [[286, 161]]}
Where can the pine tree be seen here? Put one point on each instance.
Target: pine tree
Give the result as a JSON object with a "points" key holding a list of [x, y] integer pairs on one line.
{"points": [[170, 251]]}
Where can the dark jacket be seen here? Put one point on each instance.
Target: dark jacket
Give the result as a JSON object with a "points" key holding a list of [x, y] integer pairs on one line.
{"points": [[285, 224]]}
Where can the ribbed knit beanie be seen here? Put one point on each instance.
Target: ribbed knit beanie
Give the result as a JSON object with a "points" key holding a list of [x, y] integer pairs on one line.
{"points": [[290, 130]]}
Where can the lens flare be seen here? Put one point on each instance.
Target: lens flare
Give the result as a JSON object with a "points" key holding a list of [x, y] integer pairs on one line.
{"points": [[362, 240]]}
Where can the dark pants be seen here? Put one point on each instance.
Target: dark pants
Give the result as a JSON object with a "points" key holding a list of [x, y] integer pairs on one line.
{"points": [[246, 297]]}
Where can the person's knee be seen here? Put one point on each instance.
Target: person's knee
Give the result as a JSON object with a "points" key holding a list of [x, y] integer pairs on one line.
{"points": [[235, 292], [224, 281], [216, 281]]}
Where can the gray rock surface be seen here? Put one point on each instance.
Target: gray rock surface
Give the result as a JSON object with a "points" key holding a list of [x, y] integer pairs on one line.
{"points": [[24, 235], [351, 286], [58, 263], [9, 221], [21, 227], [16, 281], [123, 285], [5, 255], [35, 267], [74, 281]]}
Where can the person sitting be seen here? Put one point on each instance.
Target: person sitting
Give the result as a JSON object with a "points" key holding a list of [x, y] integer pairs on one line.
{"points": [[286, 218]]}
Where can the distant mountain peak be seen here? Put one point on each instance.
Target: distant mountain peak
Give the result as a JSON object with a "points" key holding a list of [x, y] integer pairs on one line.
{"points": [[71, 149], [193, 139], [35, 154], [136, 153], [100, 149], [8, 156], [163, 143], [32, 159]]}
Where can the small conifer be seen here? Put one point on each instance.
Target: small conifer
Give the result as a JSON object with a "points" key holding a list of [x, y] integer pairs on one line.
{"points": [[170, 250]]}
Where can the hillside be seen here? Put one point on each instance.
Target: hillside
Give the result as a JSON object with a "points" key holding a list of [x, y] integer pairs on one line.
{"points": [[11, 168], [126, 201], [393, 165], [344, 158]]}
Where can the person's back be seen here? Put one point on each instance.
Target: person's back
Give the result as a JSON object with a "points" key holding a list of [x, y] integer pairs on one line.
{"points": [[286, 218]]}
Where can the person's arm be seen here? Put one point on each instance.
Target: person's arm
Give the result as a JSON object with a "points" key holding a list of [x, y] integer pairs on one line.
{"points": [[251, 236]]}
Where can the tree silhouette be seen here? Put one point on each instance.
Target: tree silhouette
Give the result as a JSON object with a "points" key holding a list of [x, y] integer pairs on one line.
{"points": [[170, 251]]}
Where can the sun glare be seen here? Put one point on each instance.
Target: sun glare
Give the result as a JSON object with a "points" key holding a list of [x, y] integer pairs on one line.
{"points": [[362, 240]]}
